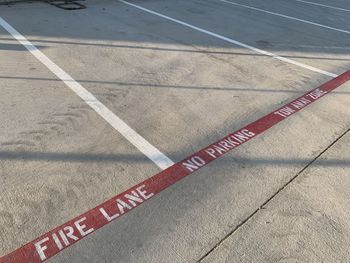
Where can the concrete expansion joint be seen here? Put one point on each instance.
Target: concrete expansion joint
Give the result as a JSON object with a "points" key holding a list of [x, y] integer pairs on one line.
{"points": [[266, 202]]}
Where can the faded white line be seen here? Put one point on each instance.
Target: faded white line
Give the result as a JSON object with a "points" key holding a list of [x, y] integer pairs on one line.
{"points": [[229, 40], [132, 136], [322, 5], [288, 17]]}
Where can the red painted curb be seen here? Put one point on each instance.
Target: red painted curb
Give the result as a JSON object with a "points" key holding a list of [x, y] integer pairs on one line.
{"points": [[71, 232]]}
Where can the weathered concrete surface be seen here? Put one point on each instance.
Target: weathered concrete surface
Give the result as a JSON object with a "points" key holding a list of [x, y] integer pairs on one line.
{"points": [[54, 151], [179, 89], [306, 222], [186, 221]]}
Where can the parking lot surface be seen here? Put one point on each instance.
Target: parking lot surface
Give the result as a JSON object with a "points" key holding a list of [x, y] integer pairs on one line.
{"points": [[95, 101]]}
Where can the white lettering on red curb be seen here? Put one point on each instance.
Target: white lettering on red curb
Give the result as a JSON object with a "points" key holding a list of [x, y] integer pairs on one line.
{"points": [[300, 103], [229, 143], [71, 232], [131, 201], [66, 233], [63, 237]]}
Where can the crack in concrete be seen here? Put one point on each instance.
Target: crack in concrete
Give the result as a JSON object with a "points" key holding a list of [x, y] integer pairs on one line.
{"points": [[262, 206]]}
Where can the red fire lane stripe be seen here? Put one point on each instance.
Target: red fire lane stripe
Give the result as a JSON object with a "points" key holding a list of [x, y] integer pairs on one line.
{"points": [[71, 232]]}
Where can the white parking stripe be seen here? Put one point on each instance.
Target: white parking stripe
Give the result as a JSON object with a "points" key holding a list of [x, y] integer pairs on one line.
{"points": [[318, 4], [229, 40], [288, 17], [132, 136]]}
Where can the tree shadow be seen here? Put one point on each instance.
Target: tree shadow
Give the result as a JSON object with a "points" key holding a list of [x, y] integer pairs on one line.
{"points": [[120, 158], [165, 86], [15, 47], [184, 50]]}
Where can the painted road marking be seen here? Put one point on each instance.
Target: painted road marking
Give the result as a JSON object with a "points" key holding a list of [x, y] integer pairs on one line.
{"points": [[76, 229], [230, 40], [118, 124], [285, 16], [318, 4]]}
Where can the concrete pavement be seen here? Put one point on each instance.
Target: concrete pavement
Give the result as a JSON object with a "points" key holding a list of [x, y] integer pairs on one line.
{"points": [[306, 222], [181, 90]]}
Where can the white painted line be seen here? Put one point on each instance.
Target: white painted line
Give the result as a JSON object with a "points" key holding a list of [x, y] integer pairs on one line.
{"points": [[288, 17], [132, 136], [318, 4], [229, 40]]}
